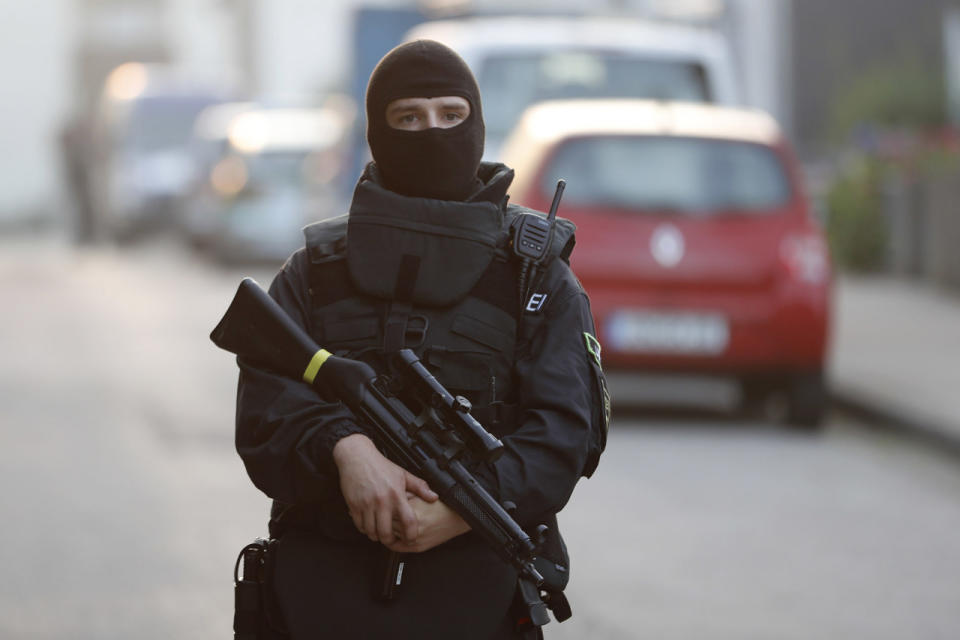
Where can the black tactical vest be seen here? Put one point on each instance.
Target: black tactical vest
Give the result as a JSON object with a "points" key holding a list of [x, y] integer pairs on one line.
{"points": [[426, 275], [435, 277], [468, 345]]}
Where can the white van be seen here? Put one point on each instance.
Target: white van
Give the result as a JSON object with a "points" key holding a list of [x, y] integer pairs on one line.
{"points": [[522, 60]]}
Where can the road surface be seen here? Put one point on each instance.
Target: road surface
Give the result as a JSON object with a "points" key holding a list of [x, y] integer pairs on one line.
{"points": [[125, 505]]}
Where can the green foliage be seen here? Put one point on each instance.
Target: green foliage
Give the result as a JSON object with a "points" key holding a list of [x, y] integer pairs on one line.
{"points": [[901, 95], [856, 227]]}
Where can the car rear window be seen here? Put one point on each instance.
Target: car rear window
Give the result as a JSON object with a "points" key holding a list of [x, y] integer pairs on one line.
{"points": [[698, 176], [510, 83]]}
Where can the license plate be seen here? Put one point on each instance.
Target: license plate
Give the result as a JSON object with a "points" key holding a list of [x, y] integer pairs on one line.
{"points": [[658, 332]]}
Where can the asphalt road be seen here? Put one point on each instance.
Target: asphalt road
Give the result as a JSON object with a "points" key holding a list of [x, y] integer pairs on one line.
{"points": [[124, 504]]}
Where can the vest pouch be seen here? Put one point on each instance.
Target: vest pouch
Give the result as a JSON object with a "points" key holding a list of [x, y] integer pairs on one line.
{"points": [[499, 340], [257, 614], [458, 370], [552, 559], [343, 336]]}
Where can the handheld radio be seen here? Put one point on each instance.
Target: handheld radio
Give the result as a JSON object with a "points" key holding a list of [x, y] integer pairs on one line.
{"points": [[531, 237]]}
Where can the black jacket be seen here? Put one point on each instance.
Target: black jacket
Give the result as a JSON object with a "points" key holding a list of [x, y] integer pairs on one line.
{"points": [[285, 431]]}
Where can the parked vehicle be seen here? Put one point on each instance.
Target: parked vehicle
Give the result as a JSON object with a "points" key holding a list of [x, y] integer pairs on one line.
{"points": [[278, 175], [695, 240], [142, 167], [199, 216], [522, 60]]}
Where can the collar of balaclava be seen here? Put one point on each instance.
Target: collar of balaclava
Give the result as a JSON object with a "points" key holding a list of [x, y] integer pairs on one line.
{"points": [[432, 163], [451, 243], [492, 181]]}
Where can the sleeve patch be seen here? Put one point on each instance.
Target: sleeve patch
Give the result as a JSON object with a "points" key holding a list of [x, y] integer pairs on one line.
{"points": [[593, 347]]}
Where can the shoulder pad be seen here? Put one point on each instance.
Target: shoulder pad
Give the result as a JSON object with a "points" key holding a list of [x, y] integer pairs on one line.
{"points": [[326, 240], [564, 231]]}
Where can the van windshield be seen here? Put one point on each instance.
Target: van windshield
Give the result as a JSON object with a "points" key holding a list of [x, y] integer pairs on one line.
{"points": [[686, 176], [509, 83]]}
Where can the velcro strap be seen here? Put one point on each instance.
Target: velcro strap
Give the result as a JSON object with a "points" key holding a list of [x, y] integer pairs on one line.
{"points": [[395, 328]]}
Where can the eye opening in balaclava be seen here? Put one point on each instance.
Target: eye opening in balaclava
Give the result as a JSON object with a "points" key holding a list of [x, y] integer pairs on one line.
{"points": [[430, 163]]}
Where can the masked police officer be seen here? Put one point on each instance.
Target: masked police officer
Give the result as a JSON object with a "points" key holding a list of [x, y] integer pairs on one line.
{"points": [[423, 260]]}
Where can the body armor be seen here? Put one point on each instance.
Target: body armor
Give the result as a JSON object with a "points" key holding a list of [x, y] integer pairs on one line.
{"points": [[465, 333]]}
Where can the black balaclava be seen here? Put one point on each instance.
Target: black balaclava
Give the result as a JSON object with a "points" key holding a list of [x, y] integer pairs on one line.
{"points": [[432, 163]]}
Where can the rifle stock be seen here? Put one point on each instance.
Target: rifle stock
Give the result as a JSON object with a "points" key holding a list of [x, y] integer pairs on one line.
{"points": [[257, 329]]}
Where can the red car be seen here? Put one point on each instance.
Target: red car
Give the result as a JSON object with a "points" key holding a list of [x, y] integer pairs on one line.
{"points": [[695, 240]]}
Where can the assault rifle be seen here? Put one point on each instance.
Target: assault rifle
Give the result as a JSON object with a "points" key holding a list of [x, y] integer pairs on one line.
{"points": [[436, 440]]}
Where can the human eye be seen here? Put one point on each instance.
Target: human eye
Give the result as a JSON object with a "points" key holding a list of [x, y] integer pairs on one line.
{"points": [[405, 119]]}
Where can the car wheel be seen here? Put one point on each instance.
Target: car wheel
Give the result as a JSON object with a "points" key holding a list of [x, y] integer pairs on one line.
{"points": [[798, 399], [755, 393], [806, 396]]}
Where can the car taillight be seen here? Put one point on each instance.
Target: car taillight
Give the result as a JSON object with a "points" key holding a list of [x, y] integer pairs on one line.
{"points": [[806, 258]]}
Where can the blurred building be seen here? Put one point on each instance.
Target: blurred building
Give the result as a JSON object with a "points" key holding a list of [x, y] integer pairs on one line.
{"points": [[55, 58], [836, 43], [35, 52], [792, 56]]}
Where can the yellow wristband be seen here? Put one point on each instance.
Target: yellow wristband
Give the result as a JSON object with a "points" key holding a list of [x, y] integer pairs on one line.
{"points": [[315, 363]]}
